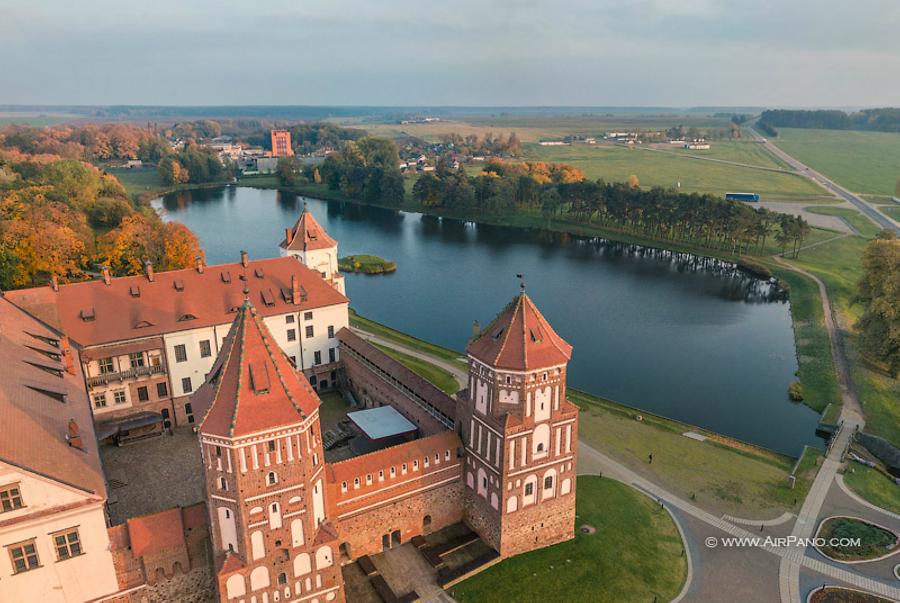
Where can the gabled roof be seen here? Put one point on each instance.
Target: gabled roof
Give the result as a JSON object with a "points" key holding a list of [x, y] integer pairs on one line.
{"points": [[307, 235], [134, 306], [252, 386], [520, 338], [41, 391]]}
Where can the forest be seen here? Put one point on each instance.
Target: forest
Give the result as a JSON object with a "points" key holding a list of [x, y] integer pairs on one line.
{"points": [[881, 120], [65, 218], [879, 293]]}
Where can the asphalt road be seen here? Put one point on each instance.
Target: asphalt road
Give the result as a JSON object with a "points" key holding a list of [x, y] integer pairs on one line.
{"points": [[838, 191]]}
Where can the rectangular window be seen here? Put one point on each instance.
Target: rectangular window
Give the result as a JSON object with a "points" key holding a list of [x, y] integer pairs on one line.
{"points": [[205, 349], [24, 556], [330, 331], [189, 411], [106, 365], [529, 489], [119, 396], [143, 393], [289, 319], [10, 498], [332, 354], [307, 316], [317, 357], [136, 359], [310, 332], [162, 390], [180, 353], [186, 385], [67, 544], [291, 335], [100, 400]]}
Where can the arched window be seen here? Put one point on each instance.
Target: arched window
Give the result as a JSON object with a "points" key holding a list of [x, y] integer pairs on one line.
{"points": [[274, 516], [259, 578], [223, 485], [272, 478], [302, 565], [235, 586], [257, 545], [541, 440], [323, 557]]}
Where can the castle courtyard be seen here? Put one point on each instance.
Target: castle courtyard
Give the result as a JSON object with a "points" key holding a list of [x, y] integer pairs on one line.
{"points": [[153, 475]]}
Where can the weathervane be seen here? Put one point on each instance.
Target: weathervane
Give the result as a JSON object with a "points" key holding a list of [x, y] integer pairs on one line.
{"points": [[521, 282]]}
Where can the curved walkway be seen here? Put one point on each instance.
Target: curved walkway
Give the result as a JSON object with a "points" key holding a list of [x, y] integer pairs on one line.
{"points": [[458, 373]]}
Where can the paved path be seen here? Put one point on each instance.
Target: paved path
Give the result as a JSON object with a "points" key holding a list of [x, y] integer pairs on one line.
{"points": [[868, 210]]}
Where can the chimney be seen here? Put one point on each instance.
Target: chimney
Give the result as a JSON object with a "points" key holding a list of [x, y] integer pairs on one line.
{"points": [[287, 237], [148, 267], [245, 259], [67, 355], [54, 283], [295, 290], [73, 437], [106, 279], [198, 263]]}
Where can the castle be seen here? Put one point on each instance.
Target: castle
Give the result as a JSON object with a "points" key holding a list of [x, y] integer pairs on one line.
{"points": [[241, 353], [501, 457]]}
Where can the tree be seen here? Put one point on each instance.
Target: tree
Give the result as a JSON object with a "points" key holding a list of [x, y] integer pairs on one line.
{"points": [[633, 181], [172, 172], [879, 292], [317, 177], [286, 171]]}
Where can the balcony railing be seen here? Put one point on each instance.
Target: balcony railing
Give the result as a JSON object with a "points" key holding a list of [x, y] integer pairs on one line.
{"points": [[132, 373]]}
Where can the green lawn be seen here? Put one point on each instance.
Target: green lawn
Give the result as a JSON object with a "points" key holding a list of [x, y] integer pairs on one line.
{"points": [[740, 151], [720, 475], [636, 555], [862, 224], [816, 365], [874, 541], [409, 341], [139, 180], [616, 163], [435, 374], [866, 162], [873, 486], [892, 210]]}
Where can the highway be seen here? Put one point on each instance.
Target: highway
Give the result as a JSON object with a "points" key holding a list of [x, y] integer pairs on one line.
{"points": [[837, 190]]}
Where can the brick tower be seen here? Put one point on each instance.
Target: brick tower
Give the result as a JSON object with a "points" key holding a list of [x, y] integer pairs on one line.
{"points": [[520, 433], [264, 467]]}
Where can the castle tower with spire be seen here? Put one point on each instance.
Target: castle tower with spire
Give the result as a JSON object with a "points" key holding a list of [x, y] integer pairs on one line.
{"points": [[264, 470], [308, 242], [520, 432]]}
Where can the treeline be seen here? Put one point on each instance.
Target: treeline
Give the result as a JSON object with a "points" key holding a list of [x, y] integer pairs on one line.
{"points": [[366, 169], [489, 144], [193, 164], [882, 120], [879, 292], [563, 191], [305, 138], [94, 143], [65, 218]]}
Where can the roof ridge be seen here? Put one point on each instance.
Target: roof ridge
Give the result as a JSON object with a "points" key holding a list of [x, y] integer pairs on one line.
{"points": [[546, 324], [237, 395], [215, 395], [287, 393], [522, 299]]}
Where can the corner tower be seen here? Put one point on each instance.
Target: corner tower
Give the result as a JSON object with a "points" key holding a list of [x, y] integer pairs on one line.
{"points": [[520, 432], [308, 242], [264, 464]]}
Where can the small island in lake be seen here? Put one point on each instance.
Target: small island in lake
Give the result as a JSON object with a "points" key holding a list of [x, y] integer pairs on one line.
{"points": [[367, 264]]}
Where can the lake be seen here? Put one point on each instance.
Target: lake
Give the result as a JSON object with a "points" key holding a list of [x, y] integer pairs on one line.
{"points": [[686, 337]]}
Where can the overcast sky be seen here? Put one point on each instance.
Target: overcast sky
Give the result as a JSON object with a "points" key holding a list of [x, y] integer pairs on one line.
{"points": [[461, 52]]}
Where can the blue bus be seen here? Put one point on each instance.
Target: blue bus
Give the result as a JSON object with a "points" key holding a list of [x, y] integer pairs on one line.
{"points": [[752, 197]]}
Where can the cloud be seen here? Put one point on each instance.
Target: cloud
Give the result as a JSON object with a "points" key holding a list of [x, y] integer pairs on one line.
{"points": [[575, 52]]}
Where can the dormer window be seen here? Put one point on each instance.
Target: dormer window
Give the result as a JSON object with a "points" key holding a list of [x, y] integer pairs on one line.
{"points": [[56, 372], [225, 276], [178, 284], [259, 273], [267, 297], [143, 324], [87, 314], [497, 335], [45, 339], [134, 291], [185, 317]]}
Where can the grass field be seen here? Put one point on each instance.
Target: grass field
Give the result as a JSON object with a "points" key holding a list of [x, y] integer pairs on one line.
{"points": [[435, 374], [862, 224], [739, 151], [720, 475], [873, 486], [865, 162], [138, 180], [634, 556], [892, 210], [615, 163], [367, 264]]}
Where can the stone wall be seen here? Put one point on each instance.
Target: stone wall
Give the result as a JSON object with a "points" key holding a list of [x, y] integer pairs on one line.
{"points": [[482, 518], [361, 533], [537, 526]]}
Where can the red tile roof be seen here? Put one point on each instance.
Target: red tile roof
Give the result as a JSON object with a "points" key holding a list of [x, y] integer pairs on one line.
{"points": [[307, 235], [252, 386], [155, 533], [134, 307], [520, 338], [38, 399]]}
